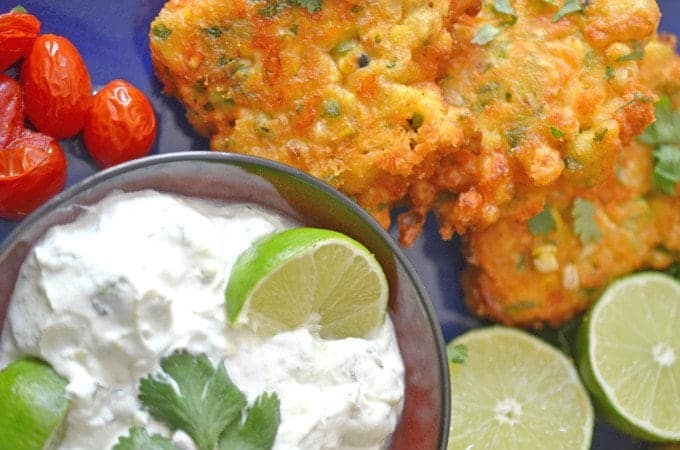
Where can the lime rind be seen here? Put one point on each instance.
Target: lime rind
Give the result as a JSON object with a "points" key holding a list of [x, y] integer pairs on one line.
{"points": [[283, 282], [546, 380], [605, 396], [33, 403]]}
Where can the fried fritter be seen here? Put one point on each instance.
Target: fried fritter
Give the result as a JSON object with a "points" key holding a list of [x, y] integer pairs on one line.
{"points": [[345, 93], [549, 100], [549, 268], [351, 92]]}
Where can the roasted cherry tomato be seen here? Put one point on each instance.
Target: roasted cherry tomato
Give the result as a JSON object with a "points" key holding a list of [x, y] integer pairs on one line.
{"points": [[57, 87], [18, 30], [32, 170], [121, 124], [11, 110]]}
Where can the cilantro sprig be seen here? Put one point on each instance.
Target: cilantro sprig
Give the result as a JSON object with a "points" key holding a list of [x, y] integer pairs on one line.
{"points": [[201, 400], [585, 226], [664, 136]]}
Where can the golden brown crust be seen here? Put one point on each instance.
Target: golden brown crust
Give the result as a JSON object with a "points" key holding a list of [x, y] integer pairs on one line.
{"points": [[519, 278], [346, 94]]}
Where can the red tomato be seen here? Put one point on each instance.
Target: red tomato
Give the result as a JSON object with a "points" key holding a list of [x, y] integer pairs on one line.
{"points": [[57, 87], [17, 33], [121, 124], [32, 170], [11, 110]]}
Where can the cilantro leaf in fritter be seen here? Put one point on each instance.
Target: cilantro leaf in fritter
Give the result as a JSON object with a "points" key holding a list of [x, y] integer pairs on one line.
{"points": [[664, 135], [585, 226]]}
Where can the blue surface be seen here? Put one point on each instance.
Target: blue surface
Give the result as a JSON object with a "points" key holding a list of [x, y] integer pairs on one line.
{"points": [[111, 36]]}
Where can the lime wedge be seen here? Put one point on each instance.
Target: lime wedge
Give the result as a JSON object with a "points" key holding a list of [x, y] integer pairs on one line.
{"points": [[32, 405], [628, 351], [514, 391], [308, 277]]}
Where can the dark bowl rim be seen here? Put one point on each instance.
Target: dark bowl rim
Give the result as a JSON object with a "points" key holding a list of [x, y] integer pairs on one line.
{"points": [[239, 159]]}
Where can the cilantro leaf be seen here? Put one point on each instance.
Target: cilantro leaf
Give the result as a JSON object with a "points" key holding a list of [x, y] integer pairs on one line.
{"points": [[666, 128], [258, 432], [193, 396], [635, 55], [585, 226], [311, 5], [543, 222], [485, 34], [139, 439], [457, 354], [664, 135], [666, 173], [570, 7], [504, 7], [556, 132], [18, 10]]}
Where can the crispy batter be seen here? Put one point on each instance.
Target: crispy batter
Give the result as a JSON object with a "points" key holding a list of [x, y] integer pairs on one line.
{"points": [[548, 99], [353, 95], [346, 94], [522, 278]]}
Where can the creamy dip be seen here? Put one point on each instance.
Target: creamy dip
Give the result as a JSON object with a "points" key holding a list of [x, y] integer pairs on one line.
{"points": [[140, 275]]}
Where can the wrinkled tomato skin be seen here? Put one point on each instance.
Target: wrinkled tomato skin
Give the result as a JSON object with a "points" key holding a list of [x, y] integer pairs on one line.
{"points": [[32, 170], [11, 110], [121, 124], [57, 87], [17, 34]]}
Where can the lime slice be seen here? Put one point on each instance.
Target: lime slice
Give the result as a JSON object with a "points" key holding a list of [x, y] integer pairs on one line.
{"points": [[629, 355], [514, 391], [308, 277], [32, 405]]}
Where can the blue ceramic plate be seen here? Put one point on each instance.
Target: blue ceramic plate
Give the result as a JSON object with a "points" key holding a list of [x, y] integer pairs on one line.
{"points": [[112, 37]]}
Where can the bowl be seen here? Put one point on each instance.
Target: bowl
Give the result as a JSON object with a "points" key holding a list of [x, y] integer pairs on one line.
{"points": [[225, 177]]}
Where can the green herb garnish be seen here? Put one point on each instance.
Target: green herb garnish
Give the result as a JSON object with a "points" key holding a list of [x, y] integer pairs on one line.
{"points": [[258, 432], [416, 121], [331, 109], [585, 226], [161, 31], [543, 222], [557, 133], [213, 31], [599, 136], [515, 136], [666, 173], [193, 396], [457, 354], [19, 10], [636, 55], [504, 7], [569, 7], [274, 7], [139, 439], [664, 136], [609, 73], [485, 34]]}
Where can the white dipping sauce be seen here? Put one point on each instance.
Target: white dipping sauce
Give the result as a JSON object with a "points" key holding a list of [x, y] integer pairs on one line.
{"points": [[140, 275]]}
